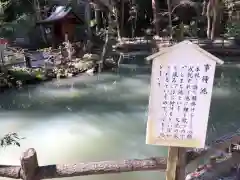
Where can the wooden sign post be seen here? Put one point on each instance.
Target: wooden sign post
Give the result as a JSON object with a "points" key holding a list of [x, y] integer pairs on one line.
{"points": [[3, 44], [181, 88]]}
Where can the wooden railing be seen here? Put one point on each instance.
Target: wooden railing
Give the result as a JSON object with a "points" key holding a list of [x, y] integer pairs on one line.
{"points": [[221, 46], [30, 169], [218, 42]]}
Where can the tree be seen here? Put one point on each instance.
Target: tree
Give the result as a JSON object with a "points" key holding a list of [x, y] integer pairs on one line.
{"points": [[10, 139], [155, 8], [12, 9], [212, 9]]}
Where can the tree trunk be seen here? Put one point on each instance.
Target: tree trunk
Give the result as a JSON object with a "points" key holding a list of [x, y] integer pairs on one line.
{"points": [[105, 46], [155, 8], [170, 18], [116, 12], [2, 64], [38, 17], [122, 18], [88, 19], [98, 17]]}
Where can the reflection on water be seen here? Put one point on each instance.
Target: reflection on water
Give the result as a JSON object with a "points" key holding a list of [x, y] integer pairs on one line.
{"points": [[100, 118]]}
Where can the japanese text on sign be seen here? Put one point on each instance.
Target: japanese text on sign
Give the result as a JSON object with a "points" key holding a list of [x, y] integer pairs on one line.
{"points": [[182, 85]]}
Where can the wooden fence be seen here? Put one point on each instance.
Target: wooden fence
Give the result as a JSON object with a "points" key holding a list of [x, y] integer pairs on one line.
{"points": [[30, 169]]}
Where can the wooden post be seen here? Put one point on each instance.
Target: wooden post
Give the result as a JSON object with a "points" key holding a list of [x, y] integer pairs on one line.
{"points": [[68, 47], [176, 163], [29, 164], [181, 166], [3, 44], [172, 163], [2, 48], [28, 61]]}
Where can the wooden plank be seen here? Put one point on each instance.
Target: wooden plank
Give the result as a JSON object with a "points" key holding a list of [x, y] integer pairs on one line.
{"points": [[176, 163]]}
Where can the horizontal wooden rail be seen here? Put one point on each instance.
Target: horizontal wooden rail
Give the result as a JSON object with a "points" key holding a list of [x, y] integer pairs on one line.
{"points": [[29, 168], [10, 171], [82, 169], [92, 168], [88, 168], [106, 167]]}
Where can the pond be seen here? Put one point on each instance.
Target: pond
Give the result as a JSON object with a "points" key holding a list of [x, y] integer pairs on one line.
{"points": [[103, 117]]}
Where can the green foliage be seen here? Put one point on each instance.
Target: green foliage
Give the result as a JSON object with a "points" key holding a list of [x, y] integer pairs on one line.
{"points": [[17, 76], [181, 30], [22, 25], [16, 17], [24, 74], [10, 139], [12, 9], [233, 29]]}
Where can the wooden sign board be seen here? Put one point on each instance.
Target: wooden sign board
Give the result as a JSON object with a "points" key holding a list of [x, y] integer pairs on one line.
{"points": [[3, 41], [181, 88]]}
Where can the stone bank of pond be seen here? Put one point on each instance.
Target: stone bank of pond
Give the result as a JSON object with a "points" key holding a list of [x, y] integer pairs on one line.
{"points": [[91, 118], [17, 76]]}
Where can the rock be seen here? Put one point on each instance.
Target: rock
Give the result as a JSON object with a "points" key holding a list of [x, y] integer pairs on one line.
{"points": [[188, 177], [83, 66], [90, 72], [94, 57], [78, 65], [69, 75], [214, 170]]}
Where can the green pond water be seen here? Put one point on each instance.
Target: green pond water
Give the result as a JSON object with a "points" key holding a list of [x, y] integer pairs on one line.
{"points": [[94, 118]]}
